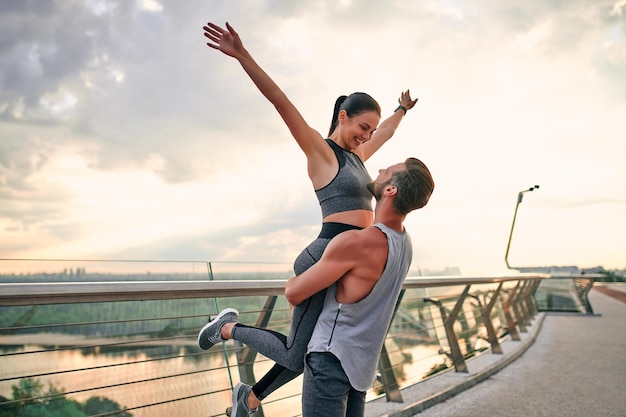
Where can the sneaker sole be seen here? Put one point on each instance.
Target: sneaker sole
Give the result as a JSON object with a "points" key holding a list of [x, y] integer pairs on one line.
{"points": [[217, 318], [234, 399]]}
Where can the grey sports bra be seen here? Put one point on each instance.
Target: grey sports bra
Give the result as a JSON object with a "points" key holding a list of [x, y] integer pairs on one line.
{"points": [[348, 190]]}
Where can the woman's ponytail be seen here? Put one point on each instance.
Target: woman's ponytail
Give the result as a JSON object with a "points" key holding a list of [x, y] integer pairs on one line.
{"points": [[335, 119]]}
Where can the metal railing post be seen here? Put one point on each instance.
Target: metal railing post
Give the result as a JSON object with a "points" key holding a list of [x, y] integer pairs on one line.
{"points": [[523, 307], [485, 311], [387, 376], [583, 286], [528, 301], [510, 321], [532, 300], [517, 309], [448, 322]]}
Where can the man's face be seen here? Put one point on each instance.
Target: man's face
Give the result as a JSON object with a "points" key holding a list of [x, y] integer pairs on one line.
{"points": [[377, 186]]}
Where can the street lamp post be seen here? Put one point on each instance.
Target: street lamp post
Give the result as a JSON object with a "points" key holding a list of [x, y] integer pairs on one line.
{"points": [[520, 196]]}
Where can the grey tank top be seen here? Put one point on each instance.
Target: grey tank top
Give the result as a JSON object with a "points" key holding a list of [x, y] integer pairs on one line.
{"points": [[348, 190], [355, 333]]}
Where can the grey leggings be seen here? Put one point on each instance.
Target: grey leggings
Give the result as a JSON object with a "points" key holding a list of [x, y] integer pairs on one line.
{"points": [[288, 352]]}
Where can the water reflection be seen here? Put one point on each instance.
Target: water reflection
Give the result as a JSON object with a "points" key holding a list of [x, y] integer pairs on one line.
{"points": [[107, 374]]}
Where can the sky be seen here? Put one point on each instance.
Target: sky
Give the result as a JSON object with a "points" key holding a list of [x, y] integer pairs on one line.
{"points": [[123, 136]]}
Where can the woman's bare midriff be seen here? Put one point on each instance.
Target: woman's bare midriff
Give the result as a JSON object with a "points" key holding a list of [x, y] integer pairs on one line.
{"points": [[361, 218]]}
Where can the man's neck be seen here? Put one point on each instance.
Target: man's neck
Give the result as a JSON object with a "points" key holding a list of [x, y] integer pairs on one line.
{"points": [[392, 220], [385, 213]]}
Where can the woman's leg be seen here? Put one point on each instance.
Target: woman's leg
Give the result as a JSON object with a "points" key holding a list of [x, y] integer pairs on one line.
{"points": [[285, 351], [305, 317], [289, 355]]}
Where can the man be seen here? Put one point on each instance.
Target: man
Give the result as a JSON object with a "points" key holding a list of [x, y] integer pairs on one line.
{"points": [[364, 271]]}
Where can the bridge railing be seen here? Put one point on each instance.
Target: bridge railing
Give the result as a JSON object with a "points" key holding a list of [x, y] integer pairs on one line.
{"points": [[123, 347]]}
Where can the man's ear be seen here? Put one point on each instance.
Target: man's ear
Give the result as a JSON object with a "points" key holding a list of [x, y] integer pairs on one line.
{"points": [[391, 190]]}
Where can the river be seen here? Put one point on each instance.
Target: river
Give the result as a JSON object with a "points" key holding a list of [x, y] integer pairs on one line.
{"points": [[204, 377]]}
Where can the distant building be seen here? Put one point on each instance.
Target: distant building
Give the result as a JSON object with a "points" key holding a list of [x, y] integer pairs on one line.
{"points": [[574, 270]]}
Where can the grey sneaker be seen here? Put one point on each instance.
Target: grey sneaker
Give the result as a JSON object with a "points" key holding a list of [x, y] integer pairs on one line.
{"points": [[211, 333], [240, 406]]}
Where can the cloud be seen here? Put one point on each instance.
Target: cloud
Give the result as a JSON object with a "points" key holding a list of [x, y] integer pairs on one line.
{"points": [[45, 47], [123, 134]]}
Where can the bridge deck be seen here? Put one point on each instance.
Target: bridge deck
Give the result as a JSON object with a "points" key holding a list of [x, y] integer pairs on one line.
{"points": [[565, 365]]}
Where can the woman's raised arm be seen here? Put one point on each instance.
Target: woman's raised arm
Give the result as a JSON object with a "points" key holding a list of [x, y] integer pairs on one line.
{"points": [[310, 141], [388, 127]]}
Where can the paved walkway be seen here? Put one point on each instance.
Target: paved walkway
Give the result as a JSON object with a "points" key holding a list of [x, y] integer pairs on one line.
{"points": [[565, 365]]}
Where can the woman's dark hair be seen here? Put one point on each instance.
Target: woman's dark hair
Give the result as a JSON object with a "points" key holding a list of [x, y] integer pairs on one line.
{"points": [[355, 103]]}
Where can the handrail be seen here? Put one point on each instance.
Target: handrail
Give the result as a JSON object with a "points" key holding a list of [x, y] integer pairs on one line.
{"points": [[39, 293], [14, 294]]}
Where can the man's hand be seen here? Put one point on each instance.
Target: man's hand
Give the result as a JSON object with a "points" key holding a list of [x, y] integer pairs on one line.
{"points": [[290, 283]]}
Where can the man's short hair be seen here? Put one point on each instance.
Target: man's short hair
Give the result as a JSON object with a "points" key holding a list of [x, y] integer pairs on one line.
{"points": [[415, 186]]}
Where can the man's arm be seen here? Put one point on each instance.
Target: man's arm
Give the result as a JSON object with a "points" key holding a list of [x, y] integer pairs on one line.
{"points": [[338, 259], [354, 260]]}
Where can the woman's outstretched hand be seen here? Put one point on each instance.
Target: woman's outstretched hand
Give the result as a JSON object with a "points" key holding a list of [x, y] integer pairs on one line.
{"points": [[405, 100], [225, 40]]}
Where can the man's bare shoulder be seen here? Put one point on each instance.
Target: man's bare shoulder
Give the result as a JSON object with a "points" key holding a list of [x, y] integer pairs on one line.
{"points": [[365, 252]]}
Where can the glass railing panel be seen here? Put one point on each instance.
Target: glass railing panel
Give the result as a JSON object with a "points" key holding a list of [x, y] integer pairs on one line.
{"points": [[563, 294], [411, 343]]}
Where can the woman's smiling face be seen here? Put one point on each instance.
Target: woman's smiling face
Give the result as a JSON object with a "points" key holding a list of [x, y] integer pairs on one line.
{"points": [[357, 130]]}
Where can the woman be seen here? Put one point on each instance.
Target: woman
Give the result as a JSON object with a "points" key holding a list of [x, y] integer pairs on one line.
{"points": [[339, 178]]}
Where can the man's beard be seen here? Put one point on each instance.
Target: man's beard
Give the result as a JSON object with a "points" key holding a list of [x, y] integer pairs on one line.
{"points": [[375, 189]]}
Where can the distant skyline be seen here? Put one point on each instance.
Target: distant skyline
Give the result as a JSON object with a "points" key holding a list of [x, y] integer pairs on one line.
{"points": [[123, 136]]}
